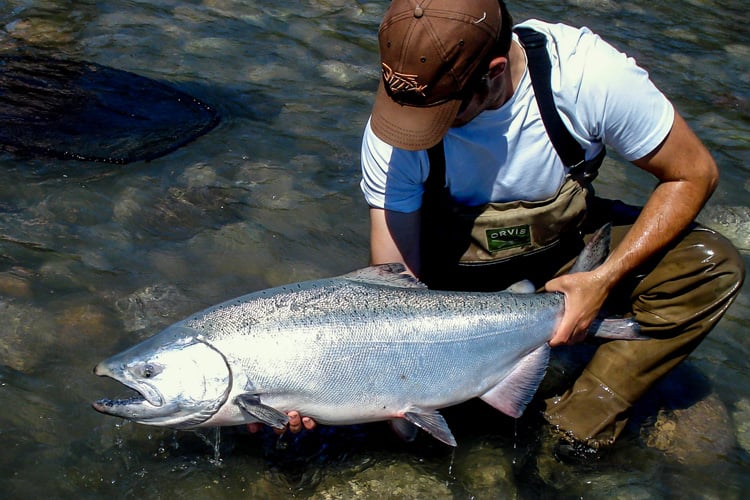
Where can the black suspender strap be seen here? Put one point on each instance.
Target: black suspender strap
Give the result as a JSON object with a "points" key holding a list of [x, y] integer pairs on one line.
{"points": [[540, 69], [436, 181], [568, 149]]}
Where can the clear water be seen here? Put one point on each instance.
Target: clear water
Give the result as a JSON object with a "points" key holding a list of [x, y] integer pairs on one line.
{"points": [[95, 257]]}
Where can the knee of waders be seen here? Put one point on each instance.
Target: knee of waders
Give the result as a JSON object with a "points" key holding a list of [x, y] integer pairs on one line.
{"points": [[590, 412], [694, 281]]}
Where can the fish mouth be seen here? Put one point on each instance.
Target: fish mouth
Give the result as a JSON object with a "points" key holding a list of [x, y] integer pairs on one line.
{"points": [[144, 398], [118, 406], [140, 410]]}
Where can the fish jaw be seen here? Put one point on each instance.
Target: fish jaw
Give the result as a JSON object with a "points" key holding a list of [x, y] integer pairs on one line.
{"points": [[180, 380]]}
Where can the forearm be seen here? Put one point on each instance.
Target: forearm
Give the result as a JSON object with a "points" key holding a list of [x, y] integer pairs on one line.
{"points": [[394, 237], [670, 209], [687, 177]]}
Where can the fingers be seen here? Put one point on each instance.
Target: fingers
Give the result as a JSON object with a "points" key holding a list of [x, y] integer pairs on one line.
{"points": [[296, 424], [563, 335], [566, 335], [308, 423], [584, 297]]}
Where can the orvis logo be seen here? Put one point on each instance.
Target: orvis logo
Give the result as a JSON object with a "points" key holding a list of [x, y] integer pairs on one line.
{"points": [[508, 237]]}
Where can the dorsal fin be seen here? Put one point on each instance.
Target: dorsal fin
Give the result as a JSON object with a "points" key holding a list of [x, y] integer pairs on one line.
{"points": [[595, 252], [385, 275]]}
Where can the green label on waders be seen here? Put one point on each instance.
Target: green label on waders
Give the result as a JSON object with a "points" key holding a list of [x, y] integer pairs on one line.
{"points": [[503, 238]]}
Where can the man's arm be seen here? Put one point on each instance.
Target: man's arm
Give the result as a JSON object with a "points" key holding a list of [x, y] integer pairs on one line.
{"points": [[394, 237], [687, 176]]}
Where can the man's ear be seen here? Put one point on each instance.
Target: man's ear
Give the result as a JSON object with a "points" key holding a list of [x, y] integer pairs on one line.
{"points": [[498, 66]]}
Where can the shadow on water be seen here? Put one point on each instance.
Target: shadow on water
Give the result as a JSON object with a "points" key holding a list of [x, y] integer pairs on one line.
{"points": [[75, 110], [85, 111]]}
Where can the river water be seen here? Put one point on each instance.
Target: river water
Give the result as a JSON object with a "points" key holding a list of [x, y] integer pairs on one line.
{"points": [[95, 257]]}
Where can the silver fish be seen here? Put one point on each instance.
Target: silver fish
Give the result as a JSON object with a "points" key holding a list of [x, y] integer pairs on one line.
{"points": [[367, 346]]}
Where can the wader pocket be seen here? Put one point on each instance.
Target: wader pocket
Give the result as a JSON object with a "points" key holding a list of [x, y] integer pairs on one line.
{"points": [[500, 231]]}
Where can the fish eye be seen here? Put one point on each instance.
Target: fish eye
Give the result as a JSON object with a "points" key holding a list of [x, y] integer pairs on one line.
{"points": [[149, 370]]}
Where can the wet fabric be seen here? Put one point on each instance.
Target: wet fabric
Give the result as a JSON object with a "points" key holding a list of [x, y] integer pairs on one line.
{"points": [[677, 298], [85, 111]]}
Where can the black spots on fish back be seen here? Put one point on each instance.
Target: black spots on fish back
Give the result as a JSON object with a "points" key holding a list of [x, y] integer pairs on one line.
{"points": [[248, 323]]}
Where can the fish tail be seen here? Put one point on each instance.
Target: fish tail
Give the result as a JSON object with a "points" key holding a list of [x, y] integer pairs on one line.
{"points": [[616, 329]]}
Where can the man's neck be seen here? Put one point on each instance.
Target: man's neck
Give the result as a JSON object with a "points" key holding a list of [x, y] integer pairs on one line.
{"points": [[516, 68]]}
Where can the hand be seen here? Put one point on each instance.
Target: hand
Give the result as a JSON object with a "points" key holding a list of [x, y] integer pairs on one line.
{"points": [[296, 424], [584, 295]]}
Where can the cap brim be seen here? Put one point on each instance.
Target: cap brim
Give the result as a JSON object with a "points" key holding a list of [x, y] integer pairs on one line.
{"points": [[411, 127]]}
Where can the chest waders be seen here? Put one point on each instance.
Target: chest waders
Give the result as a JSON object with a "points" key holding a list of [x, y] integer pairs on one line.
{"points": [[677, 297]]}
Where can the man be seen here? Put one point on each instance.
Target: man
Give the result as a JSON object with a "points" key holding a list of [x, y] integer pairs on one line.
{"points": [[457, 97]]}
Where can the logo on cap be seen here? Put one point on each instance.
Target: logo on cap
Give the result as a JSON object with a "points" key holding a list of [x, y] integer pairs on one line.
{"points": [[399, 83]]}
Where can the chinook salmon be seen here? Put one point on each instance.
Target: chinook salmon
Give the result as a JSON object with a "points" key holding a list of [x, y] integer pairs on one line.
{"points": [[371, 345]]}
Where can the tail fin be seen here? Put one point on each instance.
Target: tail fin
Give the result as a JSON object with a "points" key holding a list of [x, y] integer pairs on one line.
{"points": [[593, 254], [616, 329]]}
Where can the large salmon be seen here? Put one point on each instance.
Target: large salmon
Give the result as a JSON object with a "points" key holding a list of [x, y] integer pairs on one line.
{"points": [[371, 345]]}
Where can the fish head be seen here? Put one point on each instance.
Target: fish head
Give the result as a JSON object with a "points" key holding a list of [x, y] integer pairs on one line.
{"points": [[180, 380]]}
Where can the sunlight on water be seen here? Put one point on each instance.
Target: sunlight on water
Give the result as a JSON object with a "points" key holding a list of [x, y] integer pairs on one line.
{"points": [[95, 257]]}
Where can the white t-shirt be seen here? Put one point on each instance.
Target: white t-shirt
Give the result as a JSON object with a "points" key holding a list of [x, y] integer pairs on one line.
{"points": [[506, 155]]}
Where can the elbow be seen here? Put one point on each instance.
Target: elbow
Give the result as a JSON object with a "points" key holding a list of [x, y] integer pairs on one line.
{"points": [[711, 174]]}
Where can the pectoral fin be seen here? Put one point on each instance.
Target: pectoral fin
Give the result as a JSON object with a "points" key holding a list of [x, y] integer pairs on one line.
{"points": [[250, 404], [433, 423], [514, 392]]}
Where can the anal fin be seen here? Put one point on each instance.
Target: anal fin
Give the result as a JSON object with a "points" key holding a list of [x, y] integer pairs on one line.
{"points": [[514, 392]]}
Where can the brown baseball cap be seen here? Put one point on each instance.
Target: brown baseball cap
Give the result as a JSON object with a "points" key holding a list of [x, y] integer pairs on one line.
{"points": [[430, 51]]}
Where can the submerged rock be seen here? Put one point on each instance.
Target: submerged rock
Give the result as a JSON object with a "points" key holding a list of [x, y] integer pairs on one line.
{"points": [[70, 109], [732, 222], [486, 472], [384, 480], [151, 307], [26, 336], [700, 434], [741, 417]]}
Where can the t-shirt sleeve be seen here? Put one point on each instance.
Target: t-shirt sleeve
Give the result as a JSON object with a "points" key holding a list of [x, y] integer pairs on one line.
{"points": [[617, 100], [392, 178]]}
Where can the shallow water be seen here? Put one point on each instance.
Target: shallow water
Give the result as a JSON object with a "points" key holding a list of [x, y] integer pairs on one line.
{"points": [[94, 257]]}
